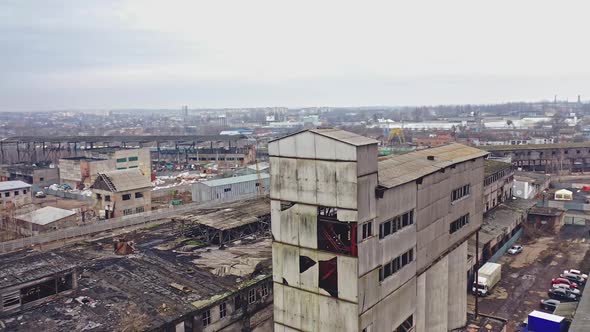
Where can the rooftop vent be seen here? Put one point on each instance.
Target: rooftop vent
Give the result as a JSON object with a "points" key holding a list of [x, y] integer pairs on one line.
{"points": [[430, 157]]}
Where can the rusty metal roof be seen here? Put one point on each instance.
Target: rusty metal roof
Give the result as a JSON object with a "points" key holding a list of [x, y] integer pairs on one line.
{"points": [[230, 215], [399, 169]]}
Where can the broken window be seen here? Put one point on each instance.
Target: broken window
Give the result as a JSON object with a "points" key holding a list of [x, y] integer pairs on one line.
{"points": [[286, 205], [396, 264], [39, 291], [226, 190], [127, 212], [406, 326], [16, 193], [107, 198], [126, 197], [460, 192], [11, 300], [329, 212], [264, 290], [251, 296], [222, 310], [459, 223], [139, 209], [328, 276], [367, 230], [237, 302], [64, 283], [7, 194], [335, 236], [138, 195], [98, 196], [396, 223], [206, 318]]}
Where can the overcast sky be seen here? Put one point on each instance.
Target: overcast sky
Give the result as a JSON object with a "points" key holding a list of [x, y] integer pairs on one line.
{"points": [[104, 54]]}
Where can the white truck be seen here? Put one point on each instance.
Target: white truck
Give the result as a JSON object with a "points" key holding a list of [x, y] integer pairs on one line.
{"points": [[488, 276]]}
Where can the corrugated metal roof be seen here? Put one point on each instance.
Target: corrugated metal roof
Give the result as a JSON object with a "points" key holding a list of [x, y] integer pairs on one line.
{"points": [[46, 215], [235, 179], [399, 169], [10, 185], [127, 179], [337, 134], [344, 136]]}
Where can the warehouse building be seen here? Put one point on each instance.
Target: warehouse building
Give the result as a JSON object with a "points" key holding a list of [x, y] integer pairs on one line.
{"points": [[362, 244], [229, 188]]}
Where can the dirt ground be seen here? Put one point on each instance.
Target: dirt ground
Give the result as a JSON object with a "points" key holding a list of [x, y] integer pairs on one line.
{"points": [[526, 277]]}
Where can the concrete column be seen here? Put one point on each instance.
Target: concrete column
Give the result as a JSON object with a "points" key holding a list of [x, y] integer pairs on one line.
{"points": [[457, 300], [419, 319], [436, 296]]}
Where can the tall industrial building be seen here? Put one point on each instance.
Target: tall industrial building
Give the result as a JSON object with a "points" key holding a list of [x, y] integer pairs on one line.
{"points": [[368, 244]]}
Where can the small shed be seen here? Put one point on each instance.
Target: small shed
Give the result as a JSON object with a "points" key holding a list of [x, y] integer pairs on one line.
{"points": [[546, 218], [228, 188], [44, 220], [563, 195]]}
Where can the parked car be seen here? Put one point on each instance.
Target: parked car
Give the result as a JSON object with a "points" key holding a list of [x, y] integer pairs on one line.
{"points": [[562, 295], [577, 272], [40, 194], [568, 288], [573, 278], [564, 281], [515, 249], [549, 304]]}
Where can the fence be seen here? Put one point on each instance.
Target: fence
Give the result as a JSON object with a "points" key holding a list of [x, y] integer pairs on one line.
{"points": [[66, 194], [506, 246], [102, 226]]}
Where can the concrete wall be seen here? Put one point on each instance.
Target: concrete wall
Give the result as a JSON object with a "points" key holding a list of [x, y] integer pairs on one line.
{"points": [[23, 198], [143, 162], [377, 299], [435, 211], [441, 296], [498, 191]]}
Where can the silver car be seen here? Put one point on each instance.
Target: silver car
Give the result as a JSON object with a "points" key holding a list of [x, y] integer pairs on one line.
{"points": [[567, 288], [515, 249]]}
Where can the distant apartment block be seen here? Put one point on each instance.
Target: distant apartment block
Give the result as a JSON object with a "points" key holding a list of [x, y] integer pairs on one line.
{"points": [[362, 244]]}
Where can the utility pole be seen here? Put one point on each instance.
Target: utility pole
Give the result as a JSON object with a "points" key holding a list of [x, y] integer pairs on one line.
{"points": [[476, 272]]}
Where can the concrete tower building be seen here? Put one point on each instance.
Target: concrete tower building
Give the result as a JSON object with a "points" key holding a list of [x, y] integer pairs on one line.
{"points": [[362, 244]]}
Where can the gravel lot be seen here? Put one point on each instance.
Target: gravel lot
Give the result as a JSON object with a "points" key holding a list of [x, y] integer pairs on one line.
{"points": [[526, 277]]}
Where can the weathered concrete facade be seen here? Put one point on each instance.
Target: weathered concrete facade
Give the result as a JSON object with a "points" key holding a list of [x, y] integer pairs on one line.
{"points": [[498, 180], [367, 245]]}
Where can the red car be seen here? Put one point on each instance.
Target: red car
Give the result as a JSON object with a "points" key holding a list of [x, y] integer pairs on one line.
{"points": [[564, 281]]}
